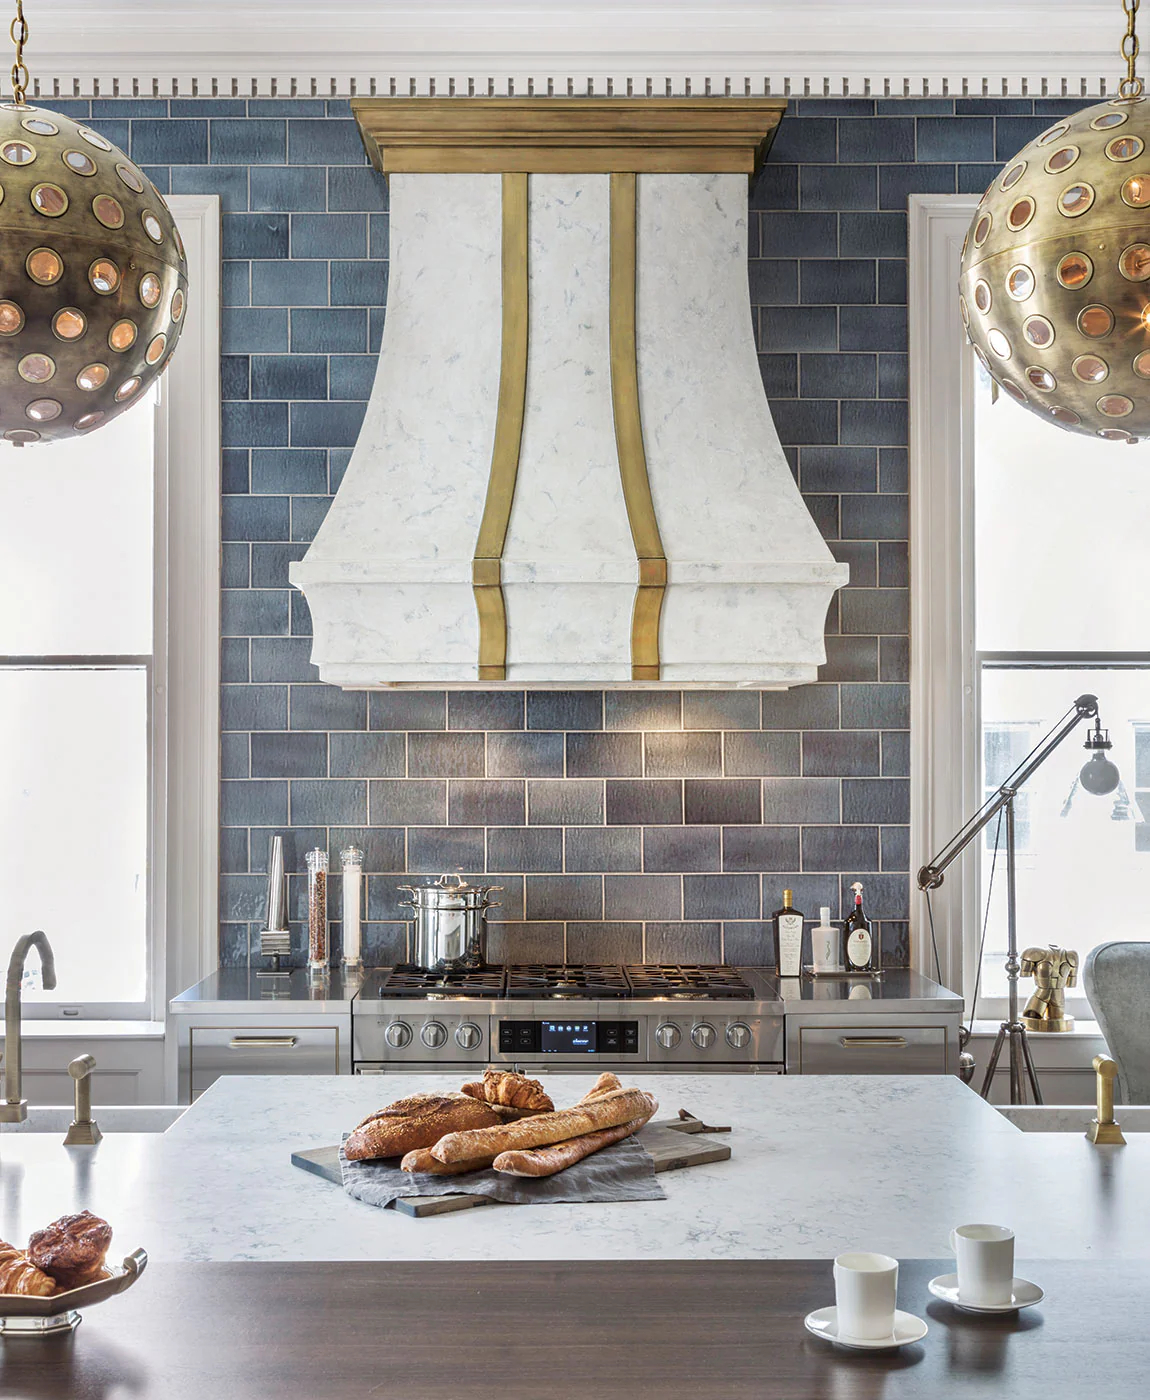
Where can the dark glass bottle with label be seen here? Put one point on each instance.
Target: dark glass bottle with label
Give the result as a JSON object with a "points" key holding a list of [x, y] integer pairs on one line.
{"points": [[788, 938], [860, 942]]}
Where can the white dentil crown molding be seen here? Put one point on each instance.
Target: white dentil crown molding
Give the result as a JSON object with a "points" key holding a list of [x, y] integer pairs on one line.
{"points": [[831, 48]]}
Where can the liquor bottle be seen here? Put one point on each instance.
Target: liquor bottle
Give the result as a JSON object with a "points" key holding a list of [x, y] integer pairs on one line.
{"points": [[788, 938], [860, 945]]}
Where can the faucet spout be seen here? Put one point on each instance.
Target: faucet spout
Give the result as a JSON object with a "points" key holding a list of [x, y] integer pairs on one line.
{"points": [[14, 1109]]}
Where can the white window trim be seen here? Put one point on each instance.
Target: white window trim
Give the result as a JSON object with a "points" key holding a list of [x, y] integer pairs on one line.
{"points": [[944, 726], [946, 721], [183, 836], [188, 533]]}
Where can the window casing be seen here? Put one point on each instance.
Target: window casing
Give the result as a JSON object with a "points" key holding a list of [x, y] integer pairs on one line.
{"points": [[1002, 644], [164, 713]]}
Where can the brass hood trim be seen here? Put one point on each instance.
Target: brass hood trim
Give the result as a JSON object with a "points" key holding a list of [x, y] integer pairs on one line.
{"points": [[633, 473], [489, 135], [487, 565]]}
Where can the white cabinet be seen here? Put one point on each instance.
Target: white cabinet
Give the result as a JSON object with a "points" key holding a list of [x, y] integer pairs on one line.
{"points": [[129, 1062]]}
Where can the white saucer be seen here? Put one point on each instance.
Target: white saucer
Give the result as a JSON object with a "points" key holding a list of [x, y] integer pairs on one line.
{"points": [[823, 1322], [1023, 1294]]}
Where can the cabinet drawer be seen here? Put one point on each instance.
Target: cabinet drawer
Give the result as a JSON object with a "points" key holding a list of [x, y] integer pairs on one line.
{"points": [[872, 1050], [218, 1050]]}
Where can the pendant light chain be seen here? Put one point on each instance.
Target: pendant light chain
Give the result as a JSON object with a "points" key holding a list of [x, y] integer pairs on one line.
{"points": [[19, 32], [1130, 86]]}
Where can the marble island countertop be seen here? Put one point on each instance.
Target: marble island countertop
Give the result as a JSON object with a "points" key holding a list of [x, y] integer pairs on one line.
{"points": [[819, 1164]]}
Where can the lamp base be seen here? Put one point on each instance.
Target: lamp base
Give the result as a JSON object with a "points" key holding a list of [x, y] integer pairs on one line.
{"points": [[1015, 1033]]}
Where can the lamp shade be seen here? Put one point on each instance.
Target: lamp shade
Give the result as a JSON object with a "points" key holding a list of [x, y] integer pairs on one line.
{"points": [[93, 279], [1055, 282]]}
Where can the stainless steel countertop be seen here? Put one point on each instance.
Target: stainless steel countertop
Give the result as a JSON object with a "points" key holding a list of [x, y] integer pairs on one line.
{"points": [[231, 988], [898, 991]]}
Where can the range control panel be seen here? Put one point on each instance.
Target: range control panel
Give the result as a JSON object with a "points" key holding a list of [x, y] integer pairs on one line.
{"points": [[569, 1036]]}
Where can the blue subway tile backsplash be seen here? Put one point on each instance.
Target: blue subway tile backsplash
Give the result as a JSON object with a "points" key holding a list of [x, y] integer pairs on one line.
{"points": [[625, 825]]}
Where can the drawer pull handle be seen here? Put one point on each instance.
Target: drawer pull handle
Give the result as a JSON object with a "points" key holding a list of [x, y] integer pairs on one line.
{"points": [[263, 1042], [865, 1042]]}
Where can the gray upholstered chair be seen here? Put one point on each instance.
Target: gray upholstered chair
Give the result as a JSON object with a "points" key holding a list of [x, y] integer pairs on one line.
{"points": [[1117, 980]]}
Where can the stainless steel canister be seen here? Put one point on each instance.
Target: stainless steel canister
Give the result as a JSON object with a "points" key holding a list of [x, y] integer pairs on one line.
{"points": [[449, 927]]}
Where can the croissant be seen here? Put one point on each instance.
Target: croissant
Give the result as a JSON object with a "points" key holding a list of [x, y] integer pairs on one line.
{"points": [[505, 1087], [17, 1275]]}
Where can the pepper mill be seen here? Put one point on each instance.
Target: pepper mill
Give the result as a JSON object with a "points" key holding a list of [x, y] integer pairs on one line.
{"points": [[275, 940]]}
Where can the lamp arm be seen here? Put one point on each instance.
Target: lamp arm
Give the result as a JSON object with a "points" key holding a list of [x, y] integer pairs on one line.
{"points": [[930, 875]]}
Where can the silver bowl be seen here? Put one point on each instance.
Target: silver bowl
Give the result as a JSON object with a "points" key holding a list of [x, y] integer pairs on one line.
{"points": [[22, 1316]]}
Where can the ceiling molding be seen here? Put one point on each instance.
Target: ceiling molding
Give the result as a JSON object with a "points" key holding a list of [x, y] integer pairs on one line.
{"points": [[895, 48]]}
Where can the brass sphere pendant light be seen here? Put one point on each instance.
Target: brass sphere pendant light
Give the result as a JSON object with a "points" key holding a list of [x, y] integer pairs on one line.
{"points": [[1055, 283], [93, 278]]}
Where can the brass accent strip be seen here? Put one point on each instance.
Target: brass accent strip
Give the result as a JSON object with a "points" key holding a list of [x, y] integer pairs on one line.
{"points": [[544, 160], [486, 566], [629, 432], [567, 134]]}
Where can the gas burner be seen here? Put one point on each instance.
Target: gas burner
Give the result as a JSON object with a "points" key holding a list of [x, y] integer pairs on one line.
{"points": [[558, 981], [445, 985], [687, 982]]}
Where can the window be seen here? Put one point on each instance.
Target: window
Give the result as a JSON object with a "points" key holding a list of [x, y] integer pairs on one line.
{"points": [[109, 638], [1060, 609], [1004, 746], [76, 635], [1027, 585]]}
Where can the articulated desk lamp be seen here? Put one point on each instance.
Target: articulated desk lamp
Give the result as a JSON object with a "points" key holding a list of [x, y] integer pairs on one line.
{"points": [[1098, 776]]}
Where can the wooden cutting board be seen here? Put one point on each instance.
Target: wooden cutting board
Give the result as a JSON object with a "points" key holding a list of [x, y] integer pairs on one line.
{"points": [[673, 1144]]}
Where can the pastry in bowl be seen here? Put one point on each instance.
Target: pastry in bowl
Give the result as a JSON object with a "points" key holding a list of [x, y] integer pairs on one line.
{"points": [[18, 1275], [72, 1249]]}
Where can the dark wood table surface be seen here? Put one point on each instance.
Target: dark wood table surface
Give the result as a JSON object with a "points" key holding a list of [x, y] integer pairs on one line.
{"points": [[534, 1331]]}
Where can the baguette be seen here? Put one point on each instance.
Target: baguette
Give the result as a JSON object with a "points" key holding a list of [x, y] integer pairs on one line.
{"points": [[421, 1160], [603, 1085], [608, 1111], [546, 1161], [418, 1121]]}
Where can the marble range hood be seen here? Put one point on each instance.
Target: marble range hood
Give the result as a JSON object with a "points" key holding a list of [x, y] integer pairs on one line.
{"points": [[568, 474]]}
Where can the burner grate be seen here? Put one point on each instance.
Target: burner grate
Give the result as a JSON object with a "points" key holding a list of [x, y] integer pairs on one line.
{"points": [[583, 980], [406, 981], [687, 980]]}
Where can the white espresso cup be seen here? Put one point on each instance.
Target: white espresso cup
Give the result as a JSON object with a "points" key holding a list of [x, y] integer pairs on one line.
{"points": [[865, 1289], [985, 1255]]}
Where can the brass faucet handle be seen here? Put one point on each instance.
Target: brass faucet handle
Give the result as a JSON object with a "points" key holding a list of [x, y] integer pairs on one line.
{"points": [[1103, 1129], [84, 1131]]}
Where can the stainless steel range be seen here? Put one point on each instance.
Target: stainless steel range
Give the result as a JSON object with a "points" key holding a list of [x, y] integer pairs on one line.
{"points": [[662, 1016]]}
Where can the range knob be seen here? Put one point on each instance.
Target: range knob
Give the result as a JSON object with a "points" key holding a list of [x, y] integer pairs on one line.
{"points": [[668, 1036], [703, 1037], [738, 1035], [433, 1035], [468, 1035], [397, 1035]]}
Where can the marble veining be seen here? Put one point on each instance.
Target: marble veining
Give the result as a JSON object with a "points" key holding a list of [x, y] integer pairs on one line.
{"points": [[818, 1165], [388, 575]]}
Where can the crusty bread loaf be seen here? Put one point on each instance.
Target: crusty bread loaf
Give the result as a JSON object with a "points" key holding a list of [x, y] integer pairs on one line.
{"points": [[603, 1085], [546, 1161], [503, 1086], [19, 1275], [607, 1111], [421, 1160], [418, 1121]]}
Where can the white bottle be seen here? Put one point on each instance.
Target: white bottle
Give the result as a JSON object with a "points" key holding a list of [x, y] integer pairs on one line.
{"points": [[825, 943]]}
